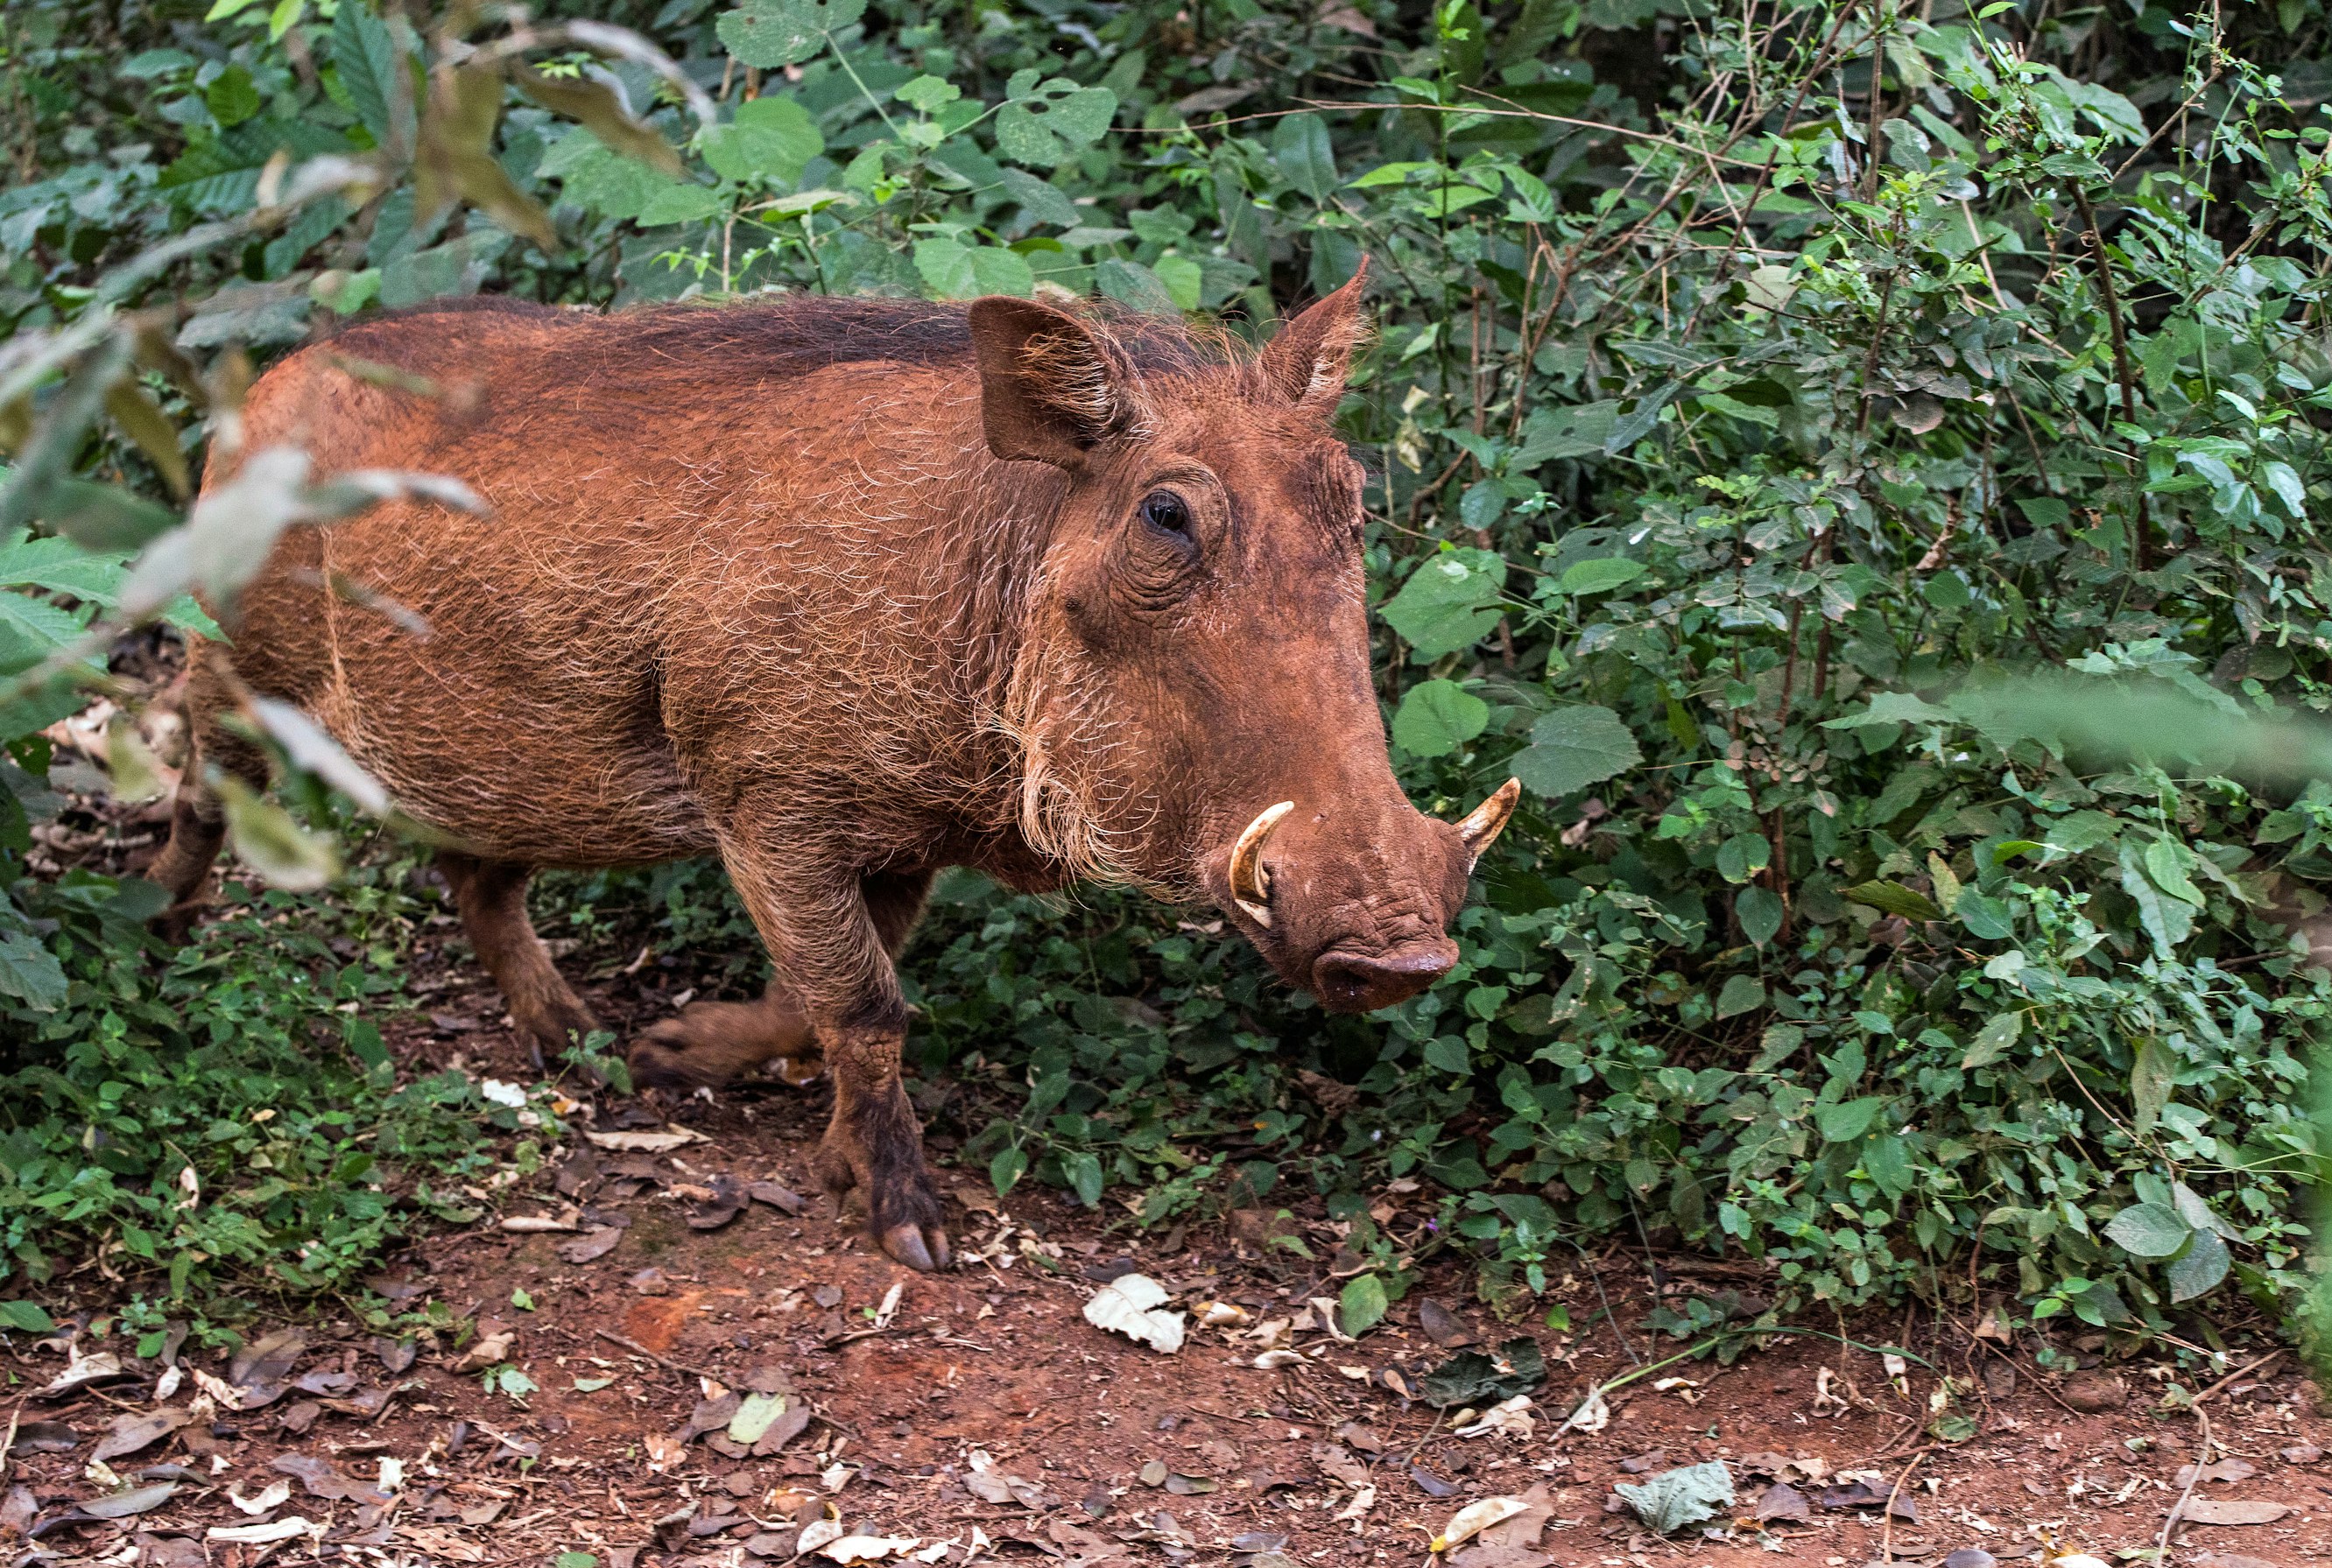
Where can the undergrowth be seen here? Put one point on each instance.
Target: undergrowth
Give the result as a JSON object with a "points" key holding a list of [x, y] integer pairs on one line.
{"points": [[1752, 385]]}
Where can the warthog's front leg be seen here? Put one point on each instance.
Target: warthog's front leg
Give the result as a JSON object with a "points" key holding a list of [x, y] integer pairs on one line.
{"points": [[874, 1145], [832, 938]]}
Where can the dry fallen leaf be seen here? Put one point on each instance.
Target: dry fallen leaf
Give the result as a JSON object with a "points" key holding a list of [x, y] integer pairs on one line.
{"points": [[2229, 1510], [1362, 1501], [1126, 1306], [1474, 1518], [267, 1501], [260, 1534], [645, 1143], [869, 1548]]}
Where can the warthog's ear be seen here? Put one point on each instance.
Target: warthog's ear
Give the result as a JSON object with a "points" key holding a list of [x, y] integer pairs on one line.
{"points": [[1048, 392], [1307, 362]]}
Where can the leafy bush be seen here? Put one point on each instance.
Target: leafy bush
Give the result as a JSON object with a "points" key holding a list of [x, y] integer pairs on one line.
{"points": [[1747, 382]]}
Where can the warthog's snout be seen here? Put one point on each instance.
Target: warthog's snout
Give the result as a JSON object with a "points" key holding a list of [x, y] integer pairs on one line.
{"points": [[1350, 903], [1362, 983]]}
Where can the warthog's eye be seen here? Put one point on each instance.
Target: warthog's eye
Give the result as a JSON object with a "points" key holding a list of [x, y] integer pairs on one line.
{"points": [[1167, 513]]}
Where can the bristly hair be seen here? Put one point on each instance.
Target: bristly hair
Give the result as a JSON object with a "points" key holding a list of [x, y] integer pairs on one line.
{"points": [[794, 334]]}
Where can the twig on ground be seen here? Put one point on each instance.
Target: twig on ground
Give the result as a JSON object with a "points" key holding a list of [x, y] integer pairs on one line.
{"points": [[636, 1348], [1886, 1532], [2239, 1371], [2202, 1458]]}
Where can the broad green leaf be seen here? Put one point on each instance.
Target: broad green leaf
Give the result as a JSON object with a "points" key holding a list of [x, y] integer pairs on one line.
{"points": [[1044, 130], [1984, 916], [767, 34], [771, 139], [1600, 576], [1005, 1170], [2148, 1230], [1132, 283], [282, 853], [1436, 717], [26, 1317], [1742, 993], [1571, 747], [1084, 1171], [2168, 921], [1451, 601], [1300, 146], [928, 94], [2199, 1268], [755, 1416], [367, 60], [1673, 1499], [1760, 911], [1848, 1119], [1992, 1042], [1361, 1305], [955, 271], [2153, 1079], [1894, 898]]}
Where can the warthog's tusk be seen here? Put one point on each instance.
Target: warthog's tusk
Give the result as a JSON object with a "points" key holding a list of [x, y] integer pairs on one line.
{"points": [[1480, 826], [1250, 883]]}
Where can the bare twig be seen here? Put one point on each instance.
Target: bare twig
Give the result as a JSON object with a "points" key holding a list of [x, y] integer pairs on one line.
{"points": [[636, 1348]]}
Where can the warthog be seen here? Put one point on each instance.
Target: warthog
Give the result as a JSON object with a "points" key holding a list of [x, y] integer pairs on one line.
{"points": [[847, 592]]}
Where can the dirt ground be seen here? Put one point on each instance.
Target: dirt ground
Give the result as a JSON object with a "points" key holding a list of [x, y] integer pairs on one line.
{"points": [[675, 1360]]}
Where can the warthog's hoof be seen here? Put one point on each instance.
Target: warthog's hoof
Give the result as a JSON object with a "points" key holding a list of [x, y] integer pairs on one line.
{"points": [[903, 1212], [717, 1043]]}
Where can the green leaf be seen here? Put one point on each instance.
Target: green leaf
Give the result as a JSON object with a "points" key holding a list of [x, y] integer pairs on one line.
{"points": [[1005, 1170], [26, 1317], [767, 34], [1301, 147], [1361, 1305], [30, 973], [1436, 717], [1083, 1173], [754, 1416], [1044, 131], [2167, 921], [368, 60], [284, 854], [1673, 1499], [1894, 708], [2148, 1230], [771, 139], [1849, 1119], [232, 97], [928, 94], [1571, 747], [1992, 1042], [2153, 1079], [1600, 574], [1759, 911], [2199, 1268], [955, 271], [1448, 1053], [1742, 993], [1894, 898], [1984, 916], [1451, 601], [1132, 283]]}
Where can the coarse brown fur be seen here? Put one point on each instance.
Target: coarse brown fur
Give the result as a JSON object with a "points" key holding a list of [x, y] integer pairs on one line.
{"points": [[845, 592]]}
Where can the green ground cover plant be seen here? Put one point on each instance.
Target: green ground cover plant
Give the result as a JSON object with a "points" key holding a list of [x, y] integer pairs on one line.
{"points": [[1752, 386]]}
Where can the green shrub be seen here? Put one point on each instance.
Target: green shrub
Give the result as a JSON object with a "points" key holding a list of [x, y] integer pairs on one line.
{"points": [[1748, 382]]}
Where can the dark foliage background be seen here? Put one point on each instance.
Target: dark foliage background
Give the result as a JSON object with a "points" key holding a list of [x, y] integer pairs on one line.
{"points": [[1753, 384]]}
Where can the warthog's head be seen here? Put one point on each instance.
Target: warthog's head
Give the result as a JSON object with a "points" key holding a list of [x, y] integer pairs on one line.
{"points": [[1192, 689]]}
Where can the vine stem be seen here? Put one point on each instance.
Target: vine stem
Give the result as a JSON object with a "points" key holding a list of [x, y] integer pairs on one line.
{"points": [[2111, 300]]}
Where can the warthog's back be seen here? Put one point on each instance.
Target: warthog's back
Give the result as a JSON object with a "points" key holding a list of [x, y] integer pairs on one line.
{"points": [[751, 533]]}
